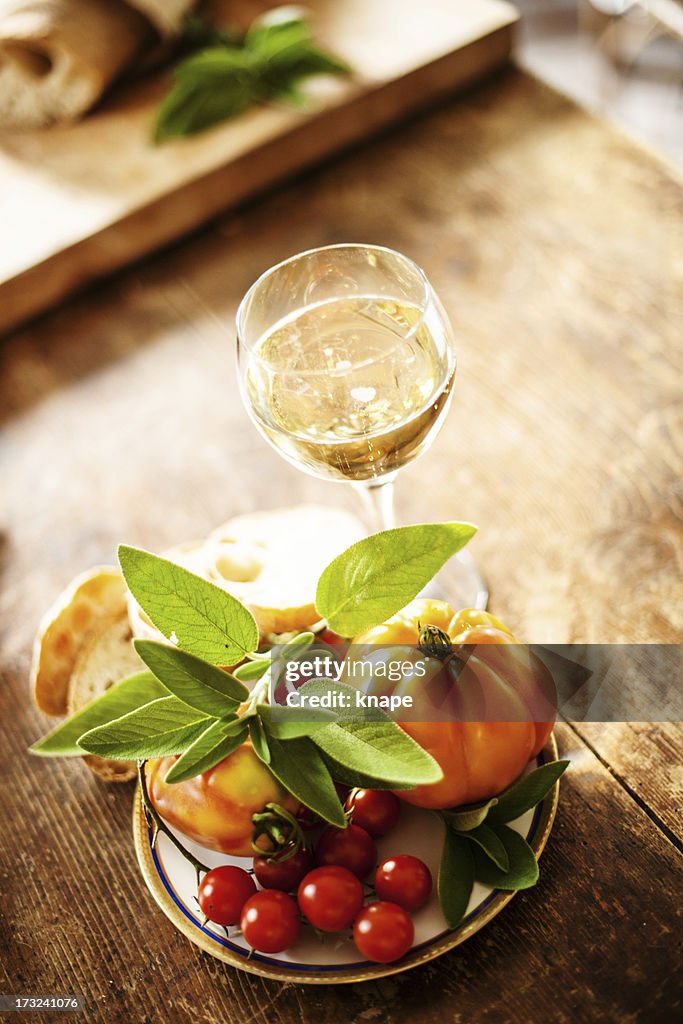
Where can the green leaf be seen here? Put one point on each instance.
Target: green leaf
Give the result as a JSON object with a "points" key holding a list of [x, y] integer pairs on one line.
{"points": [[128, 695], [250, 670], [297, 764], [527, 792], [259, 740], [379, 750], [217, 742], [352, 777], [523, 867], [465, 818], [203, 686], [456, 877], [212, 86], [311, 62], [228, 74], [163, 727], [491, 844], [205, 620], [269, 37], [379, 575], [289, 723]]}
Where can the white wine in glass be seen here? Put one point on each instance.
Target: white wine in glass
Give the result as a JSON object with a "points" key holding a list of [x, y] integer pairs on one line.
{"points": [[347, 364]]}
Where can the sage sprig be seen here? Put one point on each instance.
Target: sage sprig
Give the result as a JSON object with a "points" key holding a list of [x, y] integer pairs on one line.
{"points": [[480, 846], [228, 73], [189, 705]]}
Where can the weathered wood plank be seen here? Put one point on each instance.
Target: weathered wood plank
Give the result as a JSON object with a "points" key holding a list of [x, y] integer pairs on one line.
{"points": [[647, 757]]}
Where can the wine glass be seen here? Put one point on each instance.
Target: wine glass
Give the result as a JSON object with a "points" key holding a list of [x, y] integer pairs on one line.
{"points": [[346, 366]]}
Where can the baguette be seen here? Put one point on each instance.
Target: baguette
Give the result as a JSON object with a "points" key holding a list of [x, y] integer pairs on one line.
{"points": [[57, 57]]}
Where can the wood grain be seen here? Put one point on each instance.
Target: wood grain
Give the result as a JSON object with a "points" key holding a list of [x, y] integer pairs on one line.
{"points": [[550, 239], [74, 212], [647, 757]]}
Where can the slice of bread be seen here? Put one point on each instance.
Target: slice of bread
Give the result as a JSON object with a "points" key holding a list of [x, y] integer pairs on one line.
{"points": [[83, 647], [271, 561], [90, 603], [106, 659]]}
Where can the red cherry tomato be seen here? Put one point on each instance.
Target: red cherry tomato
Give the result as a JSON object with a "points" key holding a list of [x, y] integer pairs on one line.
{"points": [[283, 874], [223, 892], [375, 810], [383, 932], [349, 847], [330, 897], [404, 880], [270, 921]]}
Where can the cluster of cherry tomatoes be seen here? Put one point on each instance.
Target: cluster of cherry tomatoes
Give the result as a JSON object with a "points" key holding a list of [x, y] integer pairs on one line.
{"points": [[327, 887]]}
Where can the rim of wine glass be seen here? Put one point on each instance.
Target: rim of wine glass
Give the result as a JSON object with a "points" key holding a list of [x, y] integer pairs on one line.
{"points": [[427, 296]]}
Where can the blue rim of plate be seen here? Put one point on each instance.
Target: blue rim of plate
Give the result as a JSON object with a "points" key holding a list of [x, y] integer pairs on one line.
{"points": [[284, 970]]}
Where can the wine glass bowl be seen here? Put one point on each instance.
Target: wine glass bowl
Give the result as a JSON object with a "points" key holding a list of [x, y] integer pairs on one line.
{"points": [[346, 361], [346, 366]]}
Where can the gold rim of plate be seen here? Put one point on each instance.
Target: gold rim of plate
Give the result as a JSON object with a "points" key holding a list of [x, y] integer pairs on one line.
{"points": [[355, 972]]}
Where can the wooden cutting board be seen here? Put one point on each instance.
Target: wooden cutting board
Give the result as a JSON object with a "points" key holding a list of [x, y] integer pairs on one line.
{"points": [[79, 201]]}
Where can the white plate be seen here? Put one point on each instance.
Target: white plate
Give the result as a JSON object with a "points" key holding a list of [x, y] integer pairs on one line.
{"points": [[334, 959]]}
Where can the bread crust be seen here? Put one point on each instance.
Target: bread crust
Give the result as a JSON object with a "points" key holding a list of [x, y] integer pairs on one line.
{"points": [[57, 57], [90, 602]]}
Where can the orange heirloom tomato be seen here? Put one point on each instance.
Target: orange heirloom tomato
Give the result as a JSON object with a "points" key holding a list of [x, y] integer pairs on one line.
{"points": [[495, 675], [216, 807]]}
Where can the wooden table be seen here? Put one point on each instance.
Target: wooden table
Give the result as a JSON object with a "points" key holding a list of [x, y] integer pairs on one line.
{"points": [[550, 238]]}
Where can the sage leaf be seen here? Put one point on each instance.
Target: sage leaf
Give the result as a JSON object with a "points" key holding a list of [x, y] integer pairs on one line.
{"points": [[120, 699], [271, 37], [194, 681], [297, 764], [456, 877], [381, 750], [465, 818], [211, 86], [527, 792], [379, 575], [522, 872], [491, 844], [286, 48], [204, 619], [250, 670], [165, 726], [352, 777], [259, 740], [217, 742], [289, 723]]}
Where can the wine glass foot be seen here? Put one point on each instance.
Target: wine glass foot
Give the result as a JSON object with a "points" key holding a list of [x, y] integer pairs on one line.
{"points": [[460, 583]]}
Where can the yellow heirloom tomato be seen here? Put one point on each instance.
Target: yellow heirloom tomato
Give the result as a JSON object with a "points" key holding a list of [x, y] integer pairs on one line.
{"points": [[215, 808], [490, 674]]}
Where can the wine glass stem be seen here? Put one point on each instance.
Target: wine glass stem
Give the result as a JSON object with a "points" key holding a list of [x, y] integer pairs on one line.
{"points": [[378, 503]]}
